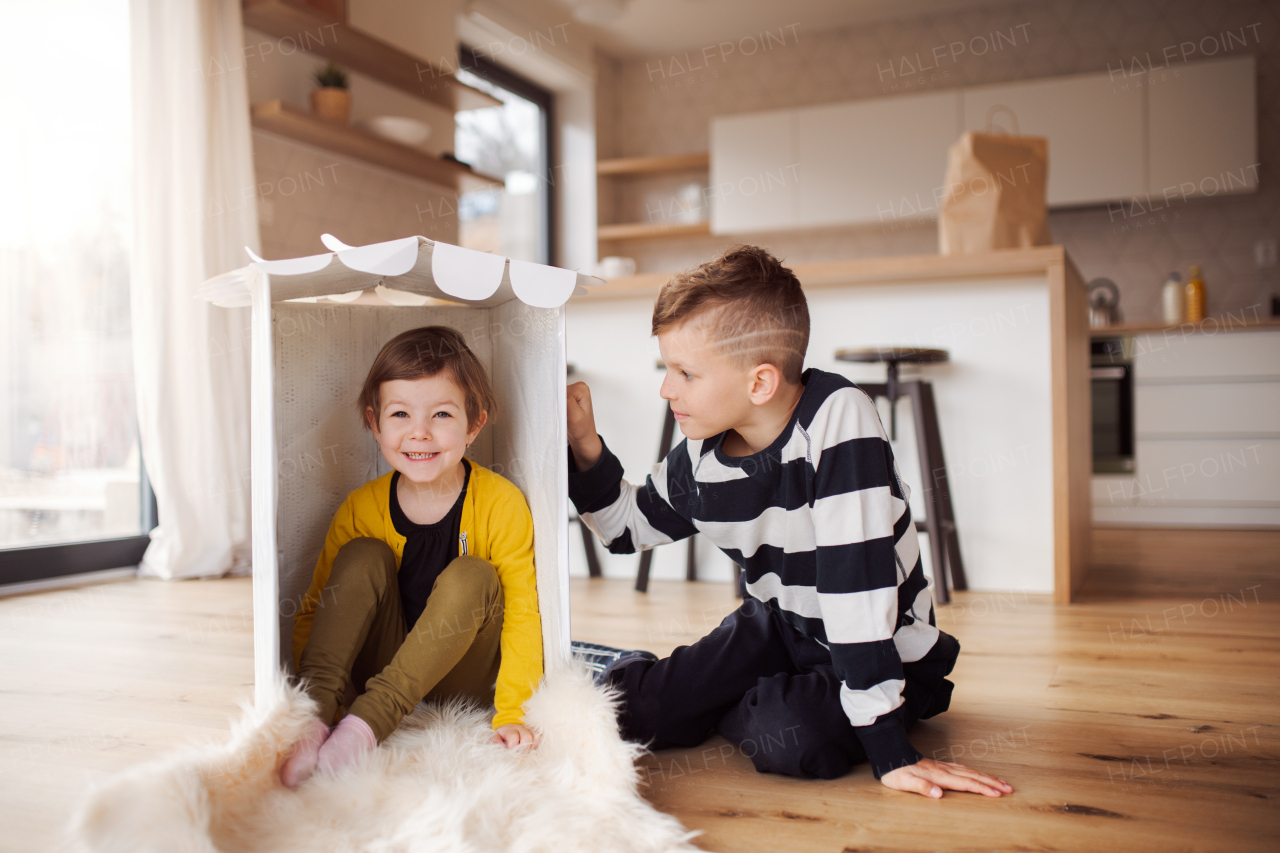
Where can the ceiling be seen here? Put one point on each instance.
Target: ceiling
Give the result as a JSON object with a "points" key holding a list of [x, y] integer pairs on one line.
{"points": [[650, 27]]}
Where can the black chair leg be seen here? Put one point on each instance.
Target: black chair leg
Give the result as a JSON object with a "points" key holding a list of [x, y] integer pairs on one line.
{"points": [[691, 560]]}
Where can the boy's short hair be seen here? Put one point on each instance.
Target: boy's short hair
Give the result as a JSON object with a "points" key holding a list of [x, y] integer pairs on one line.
{"points": [[761, 313], [424, 352]]}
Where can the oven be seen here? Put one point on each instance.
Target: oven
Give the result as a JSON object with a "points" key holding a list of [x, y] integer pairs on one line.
{"points": [[1111, 377]]}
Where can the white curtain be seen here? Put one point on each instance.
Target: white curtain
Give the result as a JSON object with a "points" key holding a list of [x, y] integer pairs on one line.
{"points": [[195, 212]]}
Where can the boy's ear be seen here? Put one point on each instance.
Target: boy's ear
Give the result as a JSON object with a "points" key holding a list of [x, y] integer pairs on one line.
{"points": [[371, 419], [765, 380]]}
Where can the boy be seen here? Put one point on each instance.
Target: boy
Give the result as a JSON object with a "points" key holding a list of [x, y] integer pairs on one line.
{"points": [[834, 652]]}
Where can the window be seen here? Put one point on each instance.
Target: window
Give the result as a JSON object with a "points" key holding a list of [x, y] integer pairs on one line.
{"points": [[511, 142], [70, 468]]}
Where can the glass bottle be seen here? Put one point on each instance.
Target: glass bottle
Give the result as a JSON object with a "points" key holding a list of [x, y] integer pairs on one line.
{"points": [[1171, 300], [1195, 297]]}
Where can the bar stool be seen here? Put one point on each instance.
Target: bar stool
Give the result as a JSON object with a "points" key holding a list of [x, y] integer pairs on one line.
{"points": [[646, 557], [588, 538], [940, 524]]}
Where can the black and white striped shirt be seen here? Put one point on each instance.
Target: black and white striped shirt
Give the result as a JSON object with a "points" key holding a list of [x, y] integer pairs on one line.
{"points": [[819, 523]]}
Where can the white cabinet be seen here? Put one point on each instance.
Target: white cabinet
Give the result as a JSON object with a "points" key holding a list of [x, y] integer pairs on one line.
{"points": [[878, 160], [1207, 433], [1203, 128], [755, 172], [1186, 130], [1094, 128]]}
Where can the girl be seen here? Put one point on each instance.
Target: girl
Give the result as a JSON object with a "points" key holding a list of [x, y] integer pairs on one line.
{"points": [[425, 587]]}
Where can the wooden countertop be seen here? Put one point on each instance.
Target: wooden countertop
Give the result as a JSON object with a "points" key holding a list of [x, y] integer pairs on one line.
{"points": [[1007, 262], [1209, 326]]}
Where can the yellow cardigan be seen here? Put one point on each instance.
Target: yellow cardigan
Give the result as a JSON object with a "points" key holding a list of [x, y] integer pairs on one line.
{"points": [[498, 528]]}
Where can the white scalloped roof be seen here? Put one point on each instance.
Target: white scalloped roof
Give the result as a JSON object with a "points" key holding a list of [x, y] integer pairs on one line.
{"points": [[413, 264]]}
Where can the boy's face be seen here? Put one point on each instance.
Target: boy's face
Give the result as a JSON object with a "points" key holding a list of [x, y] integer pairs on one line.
{"points": [[708, 393], [422, 428]]}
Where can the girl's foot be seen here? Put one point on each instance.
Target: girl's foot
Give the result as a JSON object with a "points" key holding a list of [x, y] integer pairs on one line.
{"points": [[302, 763], [350, 740]]}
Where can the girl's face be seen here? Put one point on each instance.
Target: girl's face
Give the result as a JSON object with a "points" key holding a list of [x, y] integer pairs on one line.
{"points": [[422, 428]]}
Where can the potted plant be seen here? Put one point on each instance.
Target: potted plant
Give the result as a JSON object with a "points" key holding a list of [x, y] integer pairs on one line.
{"points": [[331, 100]]}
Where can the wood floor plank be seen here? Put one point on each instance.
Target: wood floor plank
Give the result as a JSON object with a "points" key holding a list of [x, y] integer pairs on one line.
{"points": [[1145, 718]]}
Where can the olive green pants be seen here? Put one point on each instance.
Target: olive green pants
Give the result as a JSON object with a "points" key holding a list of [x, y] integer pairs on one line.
{"points": [[359, 638]]}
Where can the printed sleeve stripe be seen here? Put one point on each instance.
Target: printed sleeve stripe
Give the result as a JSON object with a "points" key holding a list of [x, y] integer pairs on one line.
{"points": [[864, 665], [659, 516], [867, 565], [853, 517], [863, 566], [915, 640], [801, 600], [860, 463], [597, 488], [846, 415], [771, 527], [910, 590], [862, 707], [836, 521], [618, 516], [859, 617]]}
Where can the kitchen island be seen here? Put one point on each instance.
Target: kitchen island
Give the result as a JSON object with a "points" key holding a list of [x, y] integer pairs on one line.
{"points": [[1013, 401]]}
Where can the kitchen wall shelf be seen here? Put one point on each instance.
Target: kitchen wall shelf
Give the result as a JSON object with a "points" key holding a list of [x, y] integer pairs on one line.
{"points": [[277, 117], [358, 51], [651, 230], [647, 165]]}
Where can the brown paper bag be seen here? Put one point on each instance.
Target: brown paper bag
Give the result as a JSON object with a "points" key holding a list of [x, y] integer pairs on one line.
{"points": [[995, 193]]}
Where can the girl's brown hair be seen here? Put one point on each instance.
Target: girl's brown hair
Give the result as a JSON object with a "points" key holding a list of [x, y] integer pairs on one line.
{"points": [[423, 352]]}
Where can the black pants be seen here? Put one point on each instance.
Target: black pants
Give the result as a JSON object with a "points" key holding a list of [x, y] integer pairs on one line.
{"points": [[770, 690]]}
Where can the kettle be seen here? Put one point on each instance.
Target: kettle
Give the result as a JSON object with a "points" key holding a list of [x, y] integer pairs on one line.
{"points": [[1104, 303]]}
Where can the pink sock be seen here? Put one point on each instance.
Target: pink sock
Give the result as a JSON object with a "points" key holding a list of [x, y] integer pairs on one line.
{"points": [[351, 739], [302, 762]]}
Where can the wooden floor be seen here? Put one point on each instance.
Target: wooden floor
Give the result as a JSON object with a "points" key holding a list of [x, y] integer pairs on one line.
{"points": [[1145, 718]]}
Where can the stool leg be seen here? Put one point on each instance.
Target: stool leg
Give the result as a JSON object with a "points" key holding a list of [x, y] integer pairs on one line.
{"points": [[691, 560], [891, 391], [589, 543], [642, 576], [950, 534], [926, 420]]}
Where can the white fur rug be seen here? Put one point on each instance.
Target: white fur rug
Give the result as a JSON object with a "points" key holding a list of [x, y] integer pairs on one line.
{"points": [[436, 784]]}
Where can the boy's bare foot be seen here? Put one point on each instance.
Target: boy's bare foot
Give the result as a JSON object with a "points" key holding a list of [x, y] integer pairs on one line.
{"points": [[928, 777], [350, 739], [302, 762]]}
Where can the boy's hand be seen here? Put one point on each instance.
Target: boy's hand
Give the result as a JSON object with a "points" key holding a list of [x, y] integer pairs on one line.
{"points": [[928, 777], [583, 439], [513, 735]]}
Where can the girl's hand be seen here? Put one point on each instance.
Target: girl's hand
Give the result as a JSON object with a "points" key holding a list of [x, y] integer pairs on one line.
{"points": [[514, 735], [928, 777]]}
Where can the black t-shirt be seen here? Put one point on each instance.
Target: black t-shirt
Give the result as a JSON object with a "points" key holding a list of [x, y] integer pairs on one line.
{"points": [[428, 548]]}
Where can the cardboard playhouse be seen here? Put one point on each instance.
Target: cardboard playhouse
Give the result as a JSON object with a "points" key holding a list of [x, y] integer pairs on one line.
{"points": [[317, 324]]}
